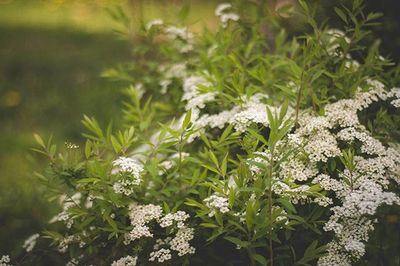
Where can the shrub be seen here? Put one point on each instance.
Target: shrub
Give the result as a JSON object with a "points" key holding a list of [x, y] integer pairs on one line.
{"points": [[244, 146]]}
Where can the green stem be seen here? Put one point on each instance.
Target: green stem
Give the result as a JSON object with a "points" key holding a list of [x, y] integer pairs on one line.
{"points": [[298, 100], [270, 206]]}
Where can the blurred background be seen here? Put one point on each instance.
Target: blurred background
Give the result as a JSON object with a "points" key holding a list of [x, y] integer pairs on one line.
{"points": [[52, 53]]}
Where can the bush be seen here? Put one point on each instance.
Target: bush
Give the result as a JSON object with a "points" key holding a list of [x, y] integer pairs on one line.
{"points": [[244, 146]]}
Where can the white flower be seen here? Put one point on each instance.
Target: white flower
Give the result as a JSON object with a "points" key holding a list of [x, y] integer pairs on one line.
{"points": [[321, 146], [130, 171], [142, 214], [155, 22], [164, 85], [130, 166], [297, 170], [224, 16], [67, 202], [179, 217], [4, 260], [125, 261], [30, 242], [216, 203], [395, 93], [160, 255], [181, 33], [64, 243], [180, 242], [222, 8]]}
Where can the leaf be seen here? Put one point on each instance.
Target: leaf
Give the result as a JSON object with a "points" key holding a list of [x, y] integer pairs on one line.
{"points": [[39, 140], [88, 148], [187, 119], [260, 259], [209, 225], [341, 14], [287, 204], [304, 5], [237, 241], [224, 165], [214, 159]]}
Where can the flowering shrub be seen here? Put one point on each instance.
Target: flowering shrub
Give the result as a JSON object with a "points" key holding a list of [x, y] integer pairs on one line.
{"points": [[242, 147]]}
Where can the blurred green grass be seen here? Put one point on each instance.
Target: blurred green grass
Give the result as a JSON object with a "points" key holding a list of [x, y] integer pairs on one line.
{"points": [[51, 55], [49, 77]]}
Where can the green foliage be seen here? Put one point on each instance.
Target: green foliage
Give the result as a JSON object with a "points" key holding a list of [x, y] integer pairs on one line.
{"points": [[187, 166]]}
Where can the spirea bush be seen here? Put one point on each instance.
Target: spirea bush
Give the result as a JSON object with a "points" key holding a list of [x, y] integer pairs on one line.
{"points": [[241, 146]]}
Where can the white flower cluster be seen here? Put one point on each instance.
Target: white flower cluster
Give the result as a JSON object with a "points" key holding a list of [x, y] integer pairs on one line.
{"points": [[30, 242], [180, 217], [333, 41], [183, 35], [296, 170], [154, 23], [215, 203], [253, 110], [161, 255], [395, 93], [195, 99], [351, 224], [170, 72], [129, 170], [179, 243], [334, 38], [224, 16], [125, 261], [73, 262], [180, 34], [5, 260], [66, 241], [68, 202], [293, 171], [142, 215], [360, 190]]}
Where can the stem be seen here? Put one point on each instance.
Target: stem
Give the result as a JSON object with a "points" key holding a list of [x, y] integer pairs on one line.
{"points": [[180, 148], [252, 261], [270, 205], [299, 98]]}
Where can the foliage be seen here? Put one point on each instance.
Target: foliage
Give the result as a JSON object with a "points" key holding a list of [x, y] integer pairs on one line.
{"points": [[276, 150]]}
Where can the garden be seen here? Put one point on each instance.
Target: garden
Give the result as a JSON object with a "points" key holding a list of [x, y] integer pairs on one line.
{"points": [[248, 132]]}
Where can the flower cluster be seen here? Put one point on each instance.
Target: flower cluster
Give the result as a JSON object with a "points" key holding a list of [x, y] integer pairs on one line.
{"points": [[5, 260], [360, 189], [129, 171], [215, 203], [66, 241], [30, 242], [125, 261], [68, 202], [142, 217], [395, 93], [224, 16]]}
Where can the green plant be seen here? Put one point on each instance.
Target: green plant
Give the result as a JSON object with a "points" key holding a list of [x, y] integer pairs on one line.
{"points": [[244, 141]]}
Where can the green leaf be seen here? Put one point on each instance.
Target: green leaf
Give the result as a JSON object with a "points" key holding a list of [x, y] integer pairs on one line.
{"points": [[39, 140], [224, 165], [187, 119], [209, 225], [260, 259], [341, 14], [237, 241]]}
